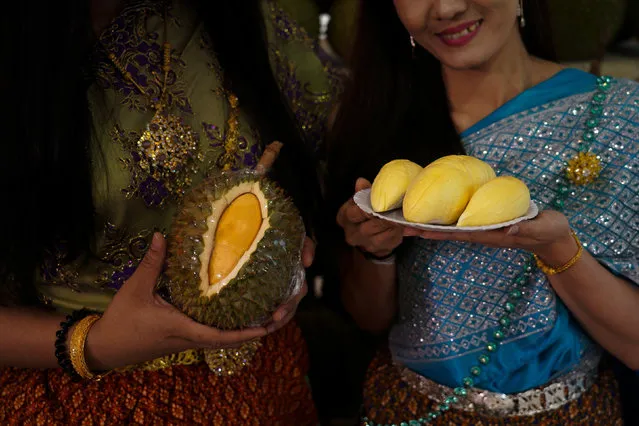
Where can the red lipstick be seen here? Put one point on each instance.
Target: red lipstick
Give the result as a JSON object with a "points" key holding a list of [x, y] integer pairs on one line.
{"points": [[460, 35]]}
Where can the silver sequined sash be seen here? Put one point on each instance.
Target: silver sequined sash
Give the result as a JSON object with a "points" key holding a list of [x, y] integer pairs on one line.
{"points": [[552, 396]]}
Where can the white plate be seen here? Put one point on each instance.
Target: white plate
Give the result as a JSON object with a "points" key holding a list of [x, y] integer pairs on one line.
{"points": [[363, 201]]}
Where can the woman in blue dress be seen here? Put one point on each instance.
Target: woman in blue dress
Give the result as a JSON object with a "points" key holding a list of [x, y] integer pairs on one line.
{"points": [[511, 326]]}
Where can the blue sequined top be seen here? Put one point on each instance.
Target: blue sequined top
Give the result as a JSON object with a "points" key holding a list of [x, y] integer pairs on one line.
{"points": [[451, 293]]}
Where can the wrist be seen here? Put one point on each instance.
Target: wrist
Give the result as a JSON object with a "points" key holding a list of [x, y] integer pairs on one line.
{"points": [[63, 342], [96, 352], [558, 252], [378, 258]]}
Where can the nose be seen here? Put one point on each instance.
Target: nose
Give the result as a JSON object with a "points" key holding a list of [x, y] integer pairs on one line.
{"points": [[449, 9]]}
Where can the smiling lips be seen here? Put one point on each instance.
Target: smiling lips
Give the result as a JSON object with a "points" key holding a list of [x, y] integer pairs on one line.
{"points": [[460, 35]]}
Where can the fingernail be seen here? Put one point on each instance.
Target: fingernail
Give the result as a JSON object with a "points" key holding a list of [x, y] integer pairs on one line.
{"points": [[155, 242], [513, 230]]}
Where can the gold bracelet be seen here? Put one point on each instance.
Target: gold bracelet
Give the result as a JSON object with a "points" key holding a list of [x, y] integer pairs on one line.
{"points": [[76, 347], [549, 270]]}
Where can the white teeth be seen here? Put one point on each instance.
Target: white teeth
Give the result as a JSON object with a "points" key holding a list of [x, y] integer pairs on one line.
{"points": [[462, 33]]}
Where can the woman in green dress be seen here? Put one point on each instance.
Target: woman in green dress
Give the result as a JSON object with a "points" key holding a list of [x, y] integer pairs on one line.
{"points": [[91, 90]]}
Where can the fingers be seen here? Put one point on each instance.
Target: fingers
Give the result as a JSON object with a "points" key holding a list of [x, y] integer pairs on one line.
{"points": [[210, 337], [350, 212], [497, 238], [363, 230], [277, 325], [372, 232], [548, 225], [376, 226], [354, 214], [412, 232], [146, 275], [308, 252], [484, 237], [287, 311], [269, 156], [361, 184]]}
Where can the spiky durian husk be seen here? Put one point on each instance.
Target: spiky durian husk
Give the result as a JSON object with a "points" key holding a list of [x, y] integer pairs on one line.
{"points": [[269, 277]]}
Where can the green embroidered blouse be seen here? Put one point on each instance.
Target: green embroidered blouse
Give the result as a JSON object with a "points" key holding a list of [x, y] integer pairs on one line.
{"points": [[132, 198]]}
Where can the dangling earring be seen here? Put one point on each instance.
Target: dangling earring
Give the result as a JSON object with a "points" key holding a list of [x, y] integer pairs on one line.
{"points": [[412, 44], [520, 14]]}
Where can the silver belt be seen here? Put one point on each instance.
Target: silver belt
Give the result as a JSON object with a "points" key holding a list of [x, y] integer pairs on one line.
{"points": [[549, 397]]}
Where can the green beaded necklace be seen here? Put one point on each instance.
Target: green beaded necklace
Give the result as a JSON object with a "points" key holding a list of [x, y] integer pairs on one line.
{"points": [[583, 169]]}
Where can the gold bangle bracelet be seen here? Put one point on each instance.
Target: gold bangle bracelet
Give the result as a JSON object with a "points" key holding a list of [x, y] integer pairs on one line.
{"points": [[549, 270], [76, 346]]}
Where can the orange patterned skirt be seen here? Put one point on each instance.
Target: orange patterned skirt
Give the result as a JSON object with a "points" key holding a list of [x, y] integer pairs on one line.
{"points": [[272, 390], [388, 400]]}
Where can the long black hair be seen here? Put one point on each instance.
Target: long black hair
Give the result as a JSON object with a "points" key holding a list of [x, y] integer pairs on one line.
{"points": [[396, 105], [45, 180]]}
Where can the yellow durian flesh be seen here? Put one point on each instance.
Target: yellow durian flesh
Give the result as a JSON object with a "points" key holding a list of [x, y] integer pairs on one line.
{"points": [[499, 200], [391, 183], [237, 229], [438, 195], [480, 172]]}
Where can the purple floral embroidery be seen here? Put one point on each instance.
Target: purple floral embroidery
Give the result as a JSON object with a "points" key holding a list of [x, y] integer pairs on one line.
{"points": [[141, 53], [214, 134], [119, 277], [153, 192]]}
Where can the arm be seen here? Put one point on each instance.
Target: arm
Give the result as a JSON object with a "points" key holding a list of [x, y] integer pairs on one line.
{"points": [[369, 291], [606, 305], [28, 336], [137, 326]]}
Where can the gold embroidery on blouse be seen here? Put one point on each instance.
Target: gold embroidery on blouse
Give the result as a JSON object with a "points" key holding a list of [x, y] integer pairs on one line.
{"points": [[117, 259], [164, 156]]}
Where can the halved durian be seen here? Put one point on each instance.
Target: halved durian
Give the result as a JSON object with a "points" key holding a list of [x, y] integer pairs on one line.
{"points": [[234, 253]]}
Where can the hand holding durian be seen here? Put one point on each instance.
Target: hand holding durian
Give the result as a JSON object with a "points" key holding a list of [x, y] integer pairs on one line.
{"points": [[456, 190], [238, 250], [237, 255]]}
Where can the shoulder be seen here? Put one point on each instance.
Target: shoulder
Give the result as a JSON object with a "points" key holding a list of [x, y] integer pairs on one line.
{"points": [[311, 84]]}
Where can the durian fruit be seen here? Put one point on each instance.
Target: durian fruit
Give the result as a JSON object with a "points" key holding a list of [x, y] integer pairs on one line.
{"points": [[479, 171], [391, 183], [500, 200], [438, 195], [234, 252]]}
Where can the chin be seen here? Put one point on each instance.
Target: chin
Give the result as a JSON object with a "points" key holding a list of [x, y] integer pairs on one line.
{"points": [[463, 62], [473, 56]]}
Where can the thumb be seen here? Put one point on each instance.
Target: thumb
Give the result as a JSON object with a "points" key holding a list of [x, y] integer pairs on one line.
{"points": [[149, 269], [361, 184], [268, 158], [308, 252]]}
